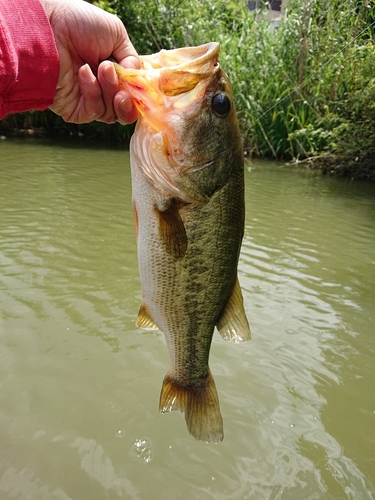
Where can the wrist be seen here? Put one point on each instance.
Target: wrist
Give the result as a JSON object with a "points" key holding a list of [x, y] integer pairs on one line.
{"points": [[48, 7], [53, 7], [30, 56]]}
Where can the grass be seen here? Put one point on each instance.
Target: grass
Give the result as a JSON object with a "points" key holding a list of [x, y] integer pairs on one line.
{"points": [[304, 90]]}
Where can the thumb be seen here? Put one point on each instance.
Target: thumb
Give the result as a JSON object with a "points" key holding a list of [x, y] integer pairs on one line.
{"points": [[131, 62]]}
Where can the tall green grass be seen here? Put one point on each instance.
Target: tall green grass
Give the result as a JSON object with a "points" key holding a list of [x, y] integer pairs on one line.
{"points": [[303, 90]]}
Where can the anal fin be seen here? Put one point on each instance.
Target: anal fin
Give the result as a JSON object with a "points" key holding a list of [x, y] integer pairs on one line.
{"points": [[233, 325], [200, 405], [144, 319]]}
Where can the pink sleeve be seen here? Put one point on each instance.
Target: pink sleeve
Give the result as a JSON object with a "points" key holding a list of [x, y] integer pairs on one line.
{"points": [[29, 61]]}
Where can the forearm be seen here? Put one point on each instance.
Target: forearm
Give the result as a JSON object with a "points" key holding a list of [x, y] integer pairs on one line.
{"points": [[29, 62]]}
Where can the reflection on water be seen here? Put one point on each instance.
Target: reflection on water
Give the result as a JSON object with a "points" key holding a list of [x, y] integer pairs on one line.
{"points": [[79, 384]]}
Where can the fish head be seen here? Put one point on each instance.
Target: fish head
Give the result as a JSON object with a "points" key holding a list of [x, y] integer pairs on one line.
{"points": [[187, 137]]}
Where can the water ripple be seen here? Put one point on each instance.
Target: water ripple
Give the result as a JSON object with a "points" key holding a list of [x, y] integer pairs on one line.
{"points": [[297, 401]]}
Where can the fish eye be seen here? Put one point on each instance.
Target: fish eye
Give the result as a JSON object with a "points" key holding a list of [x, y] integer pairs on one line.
{"points": [[221, 104]]}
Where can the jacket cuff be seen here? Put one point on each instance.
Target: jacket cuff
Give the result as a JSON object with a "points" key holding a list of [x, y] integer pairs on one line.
{"points": [[29, 61]]}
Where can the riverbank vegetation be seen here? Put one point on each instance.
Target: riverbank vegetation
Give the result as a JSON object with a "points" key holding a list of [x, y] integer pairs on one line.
{"points": [[304, 90]]}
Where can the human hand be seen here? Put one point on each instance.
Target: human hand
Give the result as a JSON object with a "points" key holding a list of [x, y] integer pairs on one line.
{"points": [[85, 37]]}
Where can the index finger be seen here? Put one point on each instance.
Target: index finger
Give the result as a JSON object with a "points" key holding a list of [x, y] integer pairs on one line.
{"points": [[124, 51]]}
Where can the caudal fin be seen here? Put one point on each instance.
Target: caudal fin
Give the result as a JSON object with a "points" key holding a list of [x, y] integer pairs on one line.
{"points": [[201, 407]]}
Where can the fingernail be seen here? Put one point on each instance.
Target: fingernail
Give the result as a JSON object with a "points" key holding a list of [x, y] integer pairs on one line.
{"points": [[109, 74], [87, 74], [131, 62], [126, 105]]}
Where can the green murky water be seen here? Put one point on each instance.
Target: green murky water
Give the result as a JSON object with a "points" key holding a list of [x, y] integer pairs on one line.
{"points": [[79, 383]]}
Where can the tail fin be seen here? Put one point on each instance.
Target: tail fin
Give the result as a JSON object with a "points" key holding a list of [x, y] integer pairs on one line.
{"points": [[201, 407]]}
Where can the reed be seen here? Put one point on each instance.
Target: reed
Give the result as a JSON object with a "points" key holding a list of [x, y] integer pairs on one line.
{"points": [[300, 89]]}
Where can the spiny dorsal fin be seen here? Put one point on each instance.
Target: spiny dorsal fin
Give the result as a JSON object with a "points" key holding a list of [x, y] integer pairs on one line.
{"points": [[144, 319], [200, 405], [172, 230], [233, 325]]}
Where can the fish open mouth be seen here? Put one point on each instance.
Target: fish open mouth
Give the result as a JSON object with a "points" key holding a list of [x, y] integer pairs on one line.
{"points": [[170, 78]]}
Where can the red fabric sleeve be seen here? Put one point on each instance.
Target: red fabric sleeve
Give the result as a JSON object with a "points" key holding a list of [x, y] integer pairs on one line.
{"points": [[29, 61]]}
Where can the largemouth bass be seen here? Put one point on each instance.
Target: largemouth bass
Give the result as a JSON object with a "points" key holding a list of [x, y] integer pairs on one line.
{"points": [[188, 198]]}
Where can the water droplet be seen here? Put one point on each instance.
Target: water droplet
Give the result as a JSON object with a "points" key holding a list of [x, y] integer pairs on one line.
{"points": [[141, 450]]}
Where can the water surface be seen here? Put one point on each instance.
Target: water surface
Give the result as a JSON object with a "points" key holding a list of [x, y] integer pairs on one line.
{"points": [[80, 384]]}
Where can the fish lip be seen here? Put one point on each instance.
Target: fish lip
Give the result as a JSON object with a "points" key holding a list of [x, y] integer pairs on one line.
{"points": [[206, 52]]}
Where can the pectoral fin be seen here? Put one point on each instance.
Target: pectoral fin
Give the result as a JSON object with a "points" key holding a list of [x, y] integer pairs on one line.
{"points": [[233, 325], [144, 319], [172, 230]]}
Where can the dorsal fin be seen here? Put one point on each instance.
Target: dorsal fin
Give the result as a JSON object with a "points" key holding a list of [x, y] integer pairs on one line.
{"points": [[233, 325], [144, 319]]}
